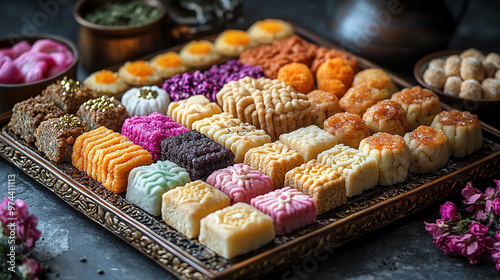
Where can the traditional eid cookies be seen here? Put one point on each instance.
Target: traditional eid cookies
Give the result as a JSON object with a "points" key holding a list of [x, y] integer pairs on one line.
{"points": [[108, 157], [434, 77], [55, 137], [349, 129], [146, 100], [491, 88], [452, 66], [147, 184], [325, 185], [470, 89], [359, 98], [139, 73], [148, 131], [241, 182], [421, 105], [199, 54], [105, 82], [236, 230], [376, 78], [472, 68], [452, 85], [323, 105], [233, 42], [289, 208], [274, 159], [268, 30], [336, 68], [359, 170], [463, 130], [386, 116], [168, 64], [183, 207], [68, 94], [392, 155], [196, 107], [28, 114], [309, 141], [429, 149], [195, 152], [298, 76], [232, 133], [103, 111]]}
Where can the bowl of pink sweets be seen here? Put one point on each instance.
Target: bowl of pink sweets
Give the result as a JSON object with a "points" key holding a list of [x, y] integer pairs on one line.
{"points": [[29, 64]]}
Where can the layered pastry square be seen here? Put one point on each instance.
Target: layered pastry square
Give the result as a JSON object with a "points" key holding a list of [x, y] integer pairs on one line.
{"points": [[103, 111]]}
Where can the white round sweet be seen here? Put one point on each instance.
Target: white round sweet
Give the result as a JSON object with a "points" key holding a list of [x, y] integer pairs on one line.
{"points": [[146, 100]]}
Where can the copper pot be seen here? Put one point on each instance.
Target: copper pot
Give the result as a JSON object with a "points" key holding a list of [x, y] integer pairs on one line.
{"points": [[103, 46]]}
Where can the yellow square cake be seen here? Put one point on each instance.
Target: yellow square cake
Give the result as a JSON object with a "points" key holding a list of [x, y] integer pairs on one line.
{"points": [[309, 141], [194, 108]]}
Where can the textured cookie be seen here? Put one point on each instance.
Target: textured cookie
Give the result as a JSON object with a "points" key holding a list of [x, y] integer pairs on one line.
{"points": [[359, 98], [147, 184], [168, 64], [323, 105], [240, 182], [325, 185], [68, 94], [421, 105], [429, 149], [376, 78], [139, 73], [289, 208], [349, 129], [103, 111], [309, 141], [145, 100], [184, 207], [386, 116], [274, 159], [392, 155], [236, 230], [199, 54], [105, 82], [233, 42], [196, 107], [268, 30], [359, 170]]}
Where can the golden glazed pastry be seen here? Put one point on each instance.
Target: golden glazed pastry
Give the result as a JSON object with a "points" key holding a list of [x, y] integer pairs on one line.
{"points": [[268, 30], [233, 42], [139, 73], [359, 98], [463, 130], [376, 78], [429, 149], [386, 116], [199, 54], [324, 105], [349, 129], [168, 64], [105, 82], [392, 155]]}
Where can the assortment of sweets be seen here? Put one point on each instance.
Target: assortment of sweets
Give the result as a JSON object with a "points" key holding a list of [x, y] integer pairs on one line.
{"points": [[298, 76], [183, 207], [108, 157], [430, 149], [139, 73], [105, 82], [289, 208], [233, 42], [324, 105], [349, 129], [241, 182], [199, 54], [148, 131], [28, 114], [421, 105], [55, 137], [325, 185], [309, 141], [274, 160], [386, 116], [145, 100], [392, 155], [147, 184], [195, 152], [233, 134], [168, 64], [236, 230], [68, 94], [463, 130], [359, 170], [376, 78], [194, 108], [103, 111], [269, 30]]}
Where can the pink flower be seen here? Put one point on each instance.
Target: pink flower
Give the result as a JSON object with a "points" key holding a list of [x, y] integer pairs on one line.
{"points": [[478, 229], [436, 229], [26, 232], [448, 211], [30, 269], [496, 206], [498, 185], [497, 235]]}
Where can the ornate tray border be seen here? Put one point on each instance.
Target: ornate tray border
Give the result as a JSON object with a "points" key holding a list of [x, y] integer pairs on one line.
{"points": [[187, 259]]}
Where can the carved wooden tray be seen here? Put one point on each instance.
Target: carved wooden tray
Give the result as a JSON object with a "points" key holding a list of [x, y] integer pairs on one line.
{"points": [[188, 259]]}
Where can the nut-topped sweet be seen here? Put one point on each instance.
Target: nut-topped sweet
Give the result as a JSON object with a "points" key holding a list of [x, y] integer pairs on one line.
{"points": [[68, 94], [104, 111]]}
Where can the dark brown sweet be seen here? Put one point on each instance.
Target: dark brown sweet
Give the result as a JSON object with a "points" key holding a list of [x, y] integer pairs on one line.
{"points": [[68, 94], [55, 137], [196, 153], [103, 111], [28, 114]]}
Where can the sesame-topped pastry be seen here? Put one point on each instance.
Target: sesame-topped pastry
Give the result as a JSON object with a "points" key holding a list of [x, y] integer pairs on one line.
{"points": [[68, 94], [386, 116], [139, 73], [349, 129], [268, 30], [324, 105], [359, 98], [168, 64], [199, 54], [103, 111], [146, 100], [241, 182], [236, 230], [429, 149], [421, 105], [392, 155], [463, 130], [105, 82], [376, 78], [233, 42]]}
